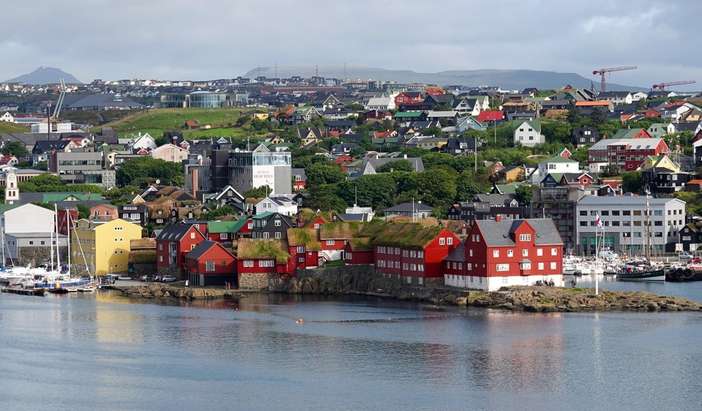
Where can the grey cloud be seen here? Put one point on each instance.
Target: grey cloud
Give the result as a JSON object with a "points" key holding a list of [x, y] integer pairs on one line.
{"points": [[224, 38]]}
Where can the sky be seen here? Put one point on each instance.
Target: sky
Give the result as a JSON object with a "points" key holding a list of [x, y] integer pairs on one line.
{"points": [[185, 39]]}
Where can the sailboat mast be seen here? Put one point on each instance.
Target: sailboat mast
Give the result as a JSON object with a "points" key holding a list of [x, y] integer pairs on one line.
{"points": [[68, 239], [58, 250]]}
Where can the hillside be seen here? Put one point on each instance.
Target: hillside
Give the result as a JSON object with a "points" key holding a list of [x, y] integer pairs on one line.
{"points": [[222, 122], [45, 75], [6, 127], [509, 79]]}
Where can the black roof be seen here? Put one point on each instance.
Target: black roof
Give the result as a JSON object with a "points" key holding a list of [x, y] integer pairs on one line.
{"points": [[174, 231], [409, 207], [44, 146]]}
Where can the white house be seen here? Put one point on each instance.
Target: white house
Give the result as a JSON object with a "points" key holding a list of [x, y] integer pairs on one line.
{"points": [[528, 134], [277, 204], [171, 153], [144, 141], [617, 97], [638, 96], [7, 117], [554, 165], [28, 231], [383, 103], [63, 127]]}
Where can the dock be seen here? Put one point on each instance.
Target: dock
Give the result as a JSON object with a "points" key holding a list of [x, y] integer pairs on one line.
{"points": [[39, 292]]}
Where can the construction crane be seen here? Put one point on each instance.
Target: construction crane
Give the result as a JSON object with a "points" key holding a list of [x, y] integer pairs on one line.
{"points": [[603, 71], [53, 116], [663, 86]]}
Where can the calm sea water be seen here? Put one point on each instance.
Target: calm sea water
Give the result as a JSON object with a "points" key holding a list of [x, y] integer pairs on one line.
{"points": [[104, 352]]}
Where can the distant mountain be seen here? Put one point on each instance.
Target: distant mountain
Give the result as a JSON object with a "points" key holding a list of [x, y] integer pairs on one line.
{"points": [[45, 75], [507, 79]]}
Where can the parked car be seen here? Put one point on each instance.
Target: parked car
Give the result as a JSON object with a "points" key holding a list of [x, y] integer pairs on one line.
{"points": [[168, 279], [147, 278]]}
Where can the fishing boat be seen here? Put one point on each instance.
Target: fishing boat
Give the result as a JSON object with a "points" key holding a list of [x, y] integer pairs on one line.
{"points": [[646, 272]]}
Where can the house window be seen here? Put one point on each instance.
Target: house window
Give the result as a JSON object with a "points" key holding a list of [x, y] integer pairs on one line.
{"points": [[222, 236], [277, 223], [449, 240], [330, 242], [502, 267], [192, 246], [266, 235], [525, 265], [266, 263], [442, 241], [209, 266], [553, 265], [539, 252], [524, 237], [541, 266], [510, 253], [300, 249], [495, 253], [316, 226], [525, 253], [192, 235], [554, 251], [278, 235], [160, 258]]}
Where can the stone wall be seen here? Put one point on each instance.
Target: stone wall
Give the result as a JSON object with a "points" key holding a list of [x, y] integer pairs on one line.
{"points": [[254, 281]]}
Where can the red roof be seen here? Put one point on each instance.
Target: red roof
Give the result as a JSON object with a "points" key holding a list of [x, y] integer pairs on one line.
{"points": [[491, 115], [596, 103]]}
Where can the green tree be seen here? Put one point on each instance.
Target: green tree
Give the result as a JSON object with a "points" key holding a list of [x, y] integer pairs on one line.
{"points": [[632, 182], [374, 190], [325, 197], [258, 192], [523, 194], [397, 165], [14, 148], [145, 170], [319, 173]]}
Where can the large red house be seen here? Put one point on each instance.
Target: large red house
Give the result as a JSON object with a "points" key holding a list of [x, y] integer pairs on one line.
{"points": [[303, 247], [501, 253], [409, 98], [412, 252], [625, 153], [359, 251], [260, 260], [173, 243], [210, 263]]}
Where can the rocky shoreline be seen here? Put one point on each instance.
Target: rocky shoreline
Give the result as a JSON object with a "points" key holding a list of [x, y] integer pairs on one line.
{"points": [[527, 299]]}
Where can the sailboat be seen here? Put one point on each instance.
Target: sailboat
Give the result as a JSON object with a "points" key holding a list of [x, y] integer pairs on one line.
{"points": [[643, 269]]}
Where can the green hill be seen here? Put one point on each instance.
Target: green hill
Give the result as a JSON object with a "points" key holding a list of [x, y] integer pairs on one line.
{"points": [[6, 127], [225, 122]]}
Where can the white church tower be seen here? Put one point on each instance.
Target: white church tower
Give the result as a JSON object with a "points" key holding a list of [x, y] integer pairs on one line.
{"points": [[11, 188]]}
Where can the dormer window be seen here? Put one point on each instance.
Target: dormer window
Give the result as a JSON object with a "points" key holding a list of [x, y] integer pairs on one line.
{"points": [[524, 237]]}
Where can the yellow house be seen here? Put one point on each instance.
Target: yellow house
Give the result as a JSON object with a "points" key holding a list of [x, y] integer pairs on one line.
{"points": [[260, 116], [102, 246]]}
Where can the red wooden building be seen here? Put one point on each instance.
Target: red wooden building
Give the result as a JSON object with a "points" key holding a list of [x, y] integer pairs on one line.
{"points": [[210, 263], [409, 98], [500, 253], [173, 243], [412, 251], [334, 236], [626, 153], [260, 260], [303, 247], [359, 251]]}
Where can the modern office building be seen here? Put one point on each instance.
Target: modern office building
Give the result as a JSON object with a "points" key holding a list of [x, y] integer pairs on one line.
{"points": [[207, 99], [630, 224], [258, 168], [81, 167]]}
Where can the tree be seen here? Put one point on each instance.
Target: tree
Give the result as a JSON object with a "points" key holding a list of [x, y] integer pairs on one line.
{"points": [[437, 186], [468, 185], [397, 165], [258, 192], [15, 148], [325, 197], [374, 190], [324, 173], [632, 182], [144, 170], [523, 194]]}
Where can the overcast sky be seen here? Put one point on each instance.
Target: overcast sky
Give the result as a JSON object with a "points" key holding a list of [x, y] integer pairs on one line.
{"points": [[185, 39]]}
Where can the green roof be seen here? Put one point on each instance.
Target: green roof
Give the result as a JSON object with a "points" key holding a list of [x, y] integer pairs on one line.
{"points": [[535, 124], [265, 214], [339, 230], [224, 226], [259, 249], [559, 159], [627, 133], [56, 197], [406, 235], [510, 188], [304, 236], [408, 114]]}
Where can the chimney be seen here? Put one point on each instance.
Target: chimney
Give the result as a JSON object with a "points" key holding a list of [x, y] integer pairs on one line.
{"points": [[194, 175]]}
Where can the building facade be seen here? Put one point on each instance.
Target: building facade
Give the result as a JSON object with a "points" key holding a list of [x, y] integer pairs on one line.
{"points": [[101, 248]]}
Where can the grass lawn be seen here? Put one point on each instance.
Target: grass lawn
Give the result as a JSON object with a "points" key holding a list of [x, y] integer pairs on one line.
{"points": [[6, 127], [156, 121]]}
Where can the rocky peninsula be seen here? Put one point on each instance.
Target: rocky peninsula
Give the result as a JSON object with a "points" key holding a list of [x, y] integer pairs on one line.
{"points": [[358, 281]]}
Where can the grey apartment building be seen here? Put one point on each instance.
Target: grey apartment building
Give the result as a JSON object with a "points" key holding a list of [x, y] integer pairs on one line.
{"points": [[627, 221], [82, 167]]}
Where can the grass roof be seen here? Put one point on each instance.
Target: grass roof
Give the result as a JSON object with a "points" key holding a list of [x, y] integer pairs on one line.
{"points": [[307, 215], [405, 235], [304, 236], [248, 248], [361, 244], [340, 230]]}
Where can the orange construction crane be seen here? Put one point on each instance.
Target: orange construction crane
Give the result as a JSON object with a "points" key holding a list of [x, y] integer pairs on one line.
{"points": [[601, 72], [662, 86]]}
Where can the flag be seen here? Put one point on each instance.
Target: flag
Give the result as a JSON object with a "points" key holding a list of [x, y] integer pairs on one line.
{"points": [[598, 221]]}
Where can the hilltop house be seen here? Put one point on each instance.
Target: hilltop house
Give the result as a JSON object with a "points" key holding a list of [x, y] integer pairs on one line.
{"points": [[528, 134]]}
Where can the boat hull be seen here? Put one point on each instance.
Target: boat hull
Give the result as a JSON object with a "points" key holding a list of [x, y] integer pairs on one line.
{"points": [[650, 275]]}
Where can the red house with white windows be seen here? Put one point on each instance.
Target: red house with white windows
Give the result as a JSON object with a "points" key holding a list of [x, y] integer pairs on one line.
{"points": [[334, 236], [174, 242], [303, 247], [409, 98], [413, 252], [260, 260], [502, 253], [210, 263]]}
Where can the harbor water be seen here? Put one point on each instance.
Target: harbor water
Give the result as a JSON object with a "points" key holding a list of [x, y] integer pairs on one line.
{"points": [[102, 351]]}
